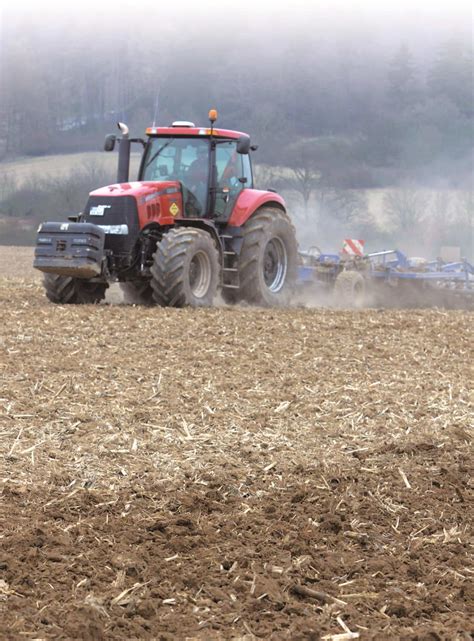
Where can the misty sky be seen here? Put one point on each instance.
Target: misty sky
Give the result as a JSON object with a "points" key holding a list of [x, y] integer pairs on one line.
{"points": [[418, 15]]}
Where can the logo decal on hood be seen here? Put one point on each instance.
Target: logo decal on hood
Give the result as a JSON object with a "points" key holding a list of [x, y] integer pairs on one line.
{"points": [[99, 210]]}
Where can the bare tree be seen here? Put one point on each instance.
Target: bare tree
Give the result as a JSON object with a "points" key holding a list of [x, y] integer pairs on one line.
{"points": [[465, 208], [8, 184], [304, 181], [465, 218], [345, 205], [265, 176], [315, 164], [406, 208], [72, 190]]}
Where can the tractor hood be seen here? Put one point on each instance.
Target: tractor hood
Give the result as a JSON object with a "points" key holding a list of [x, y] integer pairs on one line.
{"points": [[139, 190], [135, 204]]}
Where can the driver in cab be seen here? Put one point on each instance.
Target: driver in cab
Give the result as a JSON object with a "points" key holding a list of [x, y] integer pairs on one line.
{"points": [[196, 176]]}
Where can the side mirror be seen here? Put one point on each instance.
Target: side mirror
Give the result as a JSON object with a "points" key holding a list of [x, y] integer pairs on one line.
{"points": [[109, 143], [243, 145]]}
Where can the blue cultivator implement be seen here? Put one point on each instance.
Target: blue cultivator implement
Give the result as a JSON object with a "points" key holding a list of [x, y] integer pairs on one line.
{"points": [[389, 279]]}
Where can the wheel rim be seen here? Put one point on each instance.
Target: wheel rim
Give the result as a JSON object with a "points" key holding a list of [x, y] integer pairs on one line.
{"points": [[200, 274], [275, 265]]}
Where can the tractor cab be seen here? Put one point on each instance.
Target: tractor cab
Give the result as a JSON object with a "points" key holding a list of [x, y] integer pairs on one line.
{"points": [[211, 165]]}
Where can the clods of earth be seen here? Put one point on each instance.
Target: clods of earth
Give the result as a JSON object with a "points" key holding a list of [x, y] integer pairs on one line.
{"points": [[233, 473]]}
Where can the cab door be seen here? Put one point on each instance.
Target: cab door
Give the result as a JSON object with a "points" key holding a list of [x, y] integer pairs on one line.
{"points": [[231, 177]]}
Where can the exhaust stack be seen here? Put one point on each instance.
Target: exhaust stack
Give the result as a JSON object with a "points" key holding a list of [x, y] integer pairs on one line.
{"points": [[124, 154]]}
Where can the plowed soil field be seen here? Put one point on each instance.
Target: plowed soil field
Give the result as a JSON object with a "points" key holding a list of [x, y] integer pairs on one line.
{"points": [[233, 473]]}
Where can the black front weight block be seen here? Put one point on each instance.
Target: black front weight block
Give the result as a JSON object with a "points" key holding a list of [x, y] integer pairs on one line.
{"points": [[70, 249]]}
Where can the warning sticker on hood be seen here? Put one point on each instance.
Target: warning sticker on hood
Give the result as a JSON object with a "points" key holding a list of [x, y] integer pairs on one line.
{"points": [[174, 209]]}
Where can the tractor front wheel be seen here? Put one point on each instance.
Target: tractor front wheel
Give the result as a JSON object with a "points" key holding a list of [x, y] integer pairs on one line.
{"points": [[185, 270], [65, 290], [268, 259]]}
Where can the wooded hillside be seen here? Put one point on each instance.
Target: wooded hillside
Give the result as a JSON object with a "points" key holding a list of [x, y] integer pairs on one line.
{"points": [[358, 109], [340, 106]]}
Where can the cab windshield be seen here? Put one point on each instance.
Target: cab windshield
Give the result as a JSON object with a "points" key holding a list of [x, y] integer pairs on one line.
{"points": [[183, 159]]}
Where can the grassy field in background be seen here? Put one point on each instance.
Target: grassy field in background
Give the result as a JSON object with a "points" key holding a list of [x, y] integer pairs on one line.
{"points": [[58, 165]]}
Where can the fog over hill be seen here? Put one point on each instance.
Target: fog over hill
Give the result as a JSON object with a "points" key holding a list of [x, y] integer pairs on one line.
{"points": [[352, 96]]}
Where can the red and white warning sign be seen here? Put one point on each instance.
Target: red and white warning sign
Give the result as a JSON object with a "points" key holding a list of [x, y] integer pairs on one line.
{"points": [[353, 247]]}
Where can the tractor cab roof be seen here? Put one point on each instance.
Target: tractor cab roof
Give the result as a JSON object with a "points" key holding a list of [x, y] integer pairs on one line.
{"points": [[184, 129]]}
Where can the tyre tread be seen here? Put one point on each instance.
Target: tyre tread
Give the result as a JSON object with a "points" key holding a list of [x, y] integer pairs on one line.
{"points": [[66, 290], [169, 266], [254, 233]]}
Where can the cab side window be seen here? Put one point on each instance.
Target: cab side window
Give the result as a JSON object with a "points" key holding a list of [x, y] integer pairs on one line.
{"points": [[247, 171], [229, 166]]}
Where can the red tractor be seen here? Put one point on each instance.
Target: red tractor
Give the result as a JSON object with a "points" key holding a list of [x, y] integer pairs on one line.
{"points": [[191, 223]]}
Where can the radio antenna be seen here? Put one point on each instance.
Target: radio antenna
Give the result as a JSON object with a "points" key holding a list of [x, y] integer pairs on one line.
{"points": [[157, 101]]}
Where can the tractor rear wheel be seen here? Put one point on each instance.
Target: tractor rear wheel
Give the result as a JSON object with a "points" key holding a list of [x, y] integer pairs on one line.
{"points": [[268, 258], [185, 270], [349, 289], [137, 292], [66, 290]]}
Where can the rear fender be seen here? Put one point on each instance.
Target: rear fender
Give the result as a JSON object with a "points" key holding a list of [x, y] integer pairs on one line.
{"points": [[249, 201]]}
